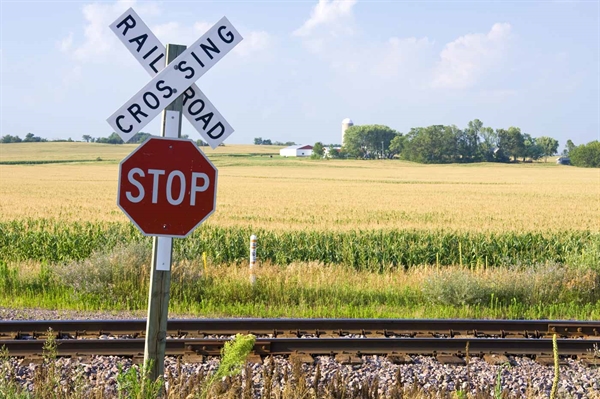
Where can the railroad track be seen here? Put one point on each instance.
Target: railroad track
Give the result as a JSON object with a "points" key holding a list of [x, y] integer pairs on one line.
{"points": [[352, 337]]}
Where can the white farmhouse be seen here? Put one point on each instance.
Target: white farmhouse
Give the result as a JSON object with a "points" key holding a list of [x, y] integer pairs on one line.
{"points": [[296, 151]]}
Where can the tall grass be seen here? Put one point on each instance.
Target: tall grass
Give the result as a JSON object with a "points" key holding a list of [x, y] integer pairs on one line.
{"points": [[380, 250], [118, 280]]}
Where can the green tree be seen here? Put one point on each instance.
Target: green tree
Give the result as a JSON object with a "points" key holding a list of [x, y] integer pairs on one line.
{"points": [[334, 153], [548, 145], [489, 143], [368, 141], [568, 147], [10, 139], [258, 140], [31, 138], [467, 141], [433, 144], [397, 144], [139, 137], [511, 142], [114, 138], [87, 138], [318, 151], [586, 155], [267, 142], [531, 148]]}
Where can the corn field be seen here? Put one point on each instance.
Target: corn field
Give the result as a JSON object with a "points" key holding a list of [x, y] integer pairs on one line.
{"points": [[377, 250]]}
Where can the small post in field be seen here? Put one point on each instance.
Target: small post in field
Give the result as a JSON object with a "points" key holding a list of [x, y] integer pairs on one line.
{"points": [[252, 259]]}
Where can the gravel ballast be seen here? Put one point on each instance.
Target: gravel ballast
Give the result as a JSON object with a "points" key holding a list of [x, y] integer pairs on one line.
{"points": [[524, 377]]}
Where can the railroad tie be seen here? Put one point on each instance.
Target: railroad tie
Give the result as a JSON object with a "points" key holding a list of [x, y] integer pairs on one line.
{"points": [[549, 360], [496, 360], [451, 359], [400, 359], [348, 358], [303, 358]]}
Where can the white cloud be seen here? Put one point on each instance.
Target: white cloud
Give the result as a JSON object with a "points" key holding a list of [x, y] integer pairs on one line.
{"points": [[65, 44], [100, 41], [333, 14], [464, 61], [98, 38], [253, 42], [401, 54]]}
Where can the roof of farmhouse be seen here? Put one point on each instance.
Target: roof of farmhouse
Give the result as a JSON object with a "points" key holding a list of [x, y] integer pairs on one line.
{"points": [[298, 147]]}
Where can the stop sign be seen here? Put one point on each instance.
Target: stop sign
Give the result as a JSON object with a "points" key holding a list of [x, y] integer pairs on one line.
{"points": [[167, 187]]}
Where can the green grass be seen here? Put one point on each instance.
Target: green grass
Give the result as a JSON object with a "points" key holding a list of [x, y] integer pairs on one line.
{"points": [[546, 290]]}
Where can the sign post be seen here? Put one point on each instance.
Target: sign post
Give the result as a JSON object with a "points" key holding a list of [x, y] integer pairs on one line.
{"points": [[167, 187], [162, 253]]}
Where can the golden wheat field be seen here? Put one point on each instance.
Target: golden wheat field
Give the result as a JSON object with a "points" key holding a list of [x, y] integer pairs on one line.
{"points": [[281, 193]]}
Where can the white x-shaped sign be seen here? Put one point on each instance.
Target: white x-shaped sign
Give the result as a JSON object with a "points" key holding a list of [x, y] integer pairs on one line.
{"points": [[172, 80]]}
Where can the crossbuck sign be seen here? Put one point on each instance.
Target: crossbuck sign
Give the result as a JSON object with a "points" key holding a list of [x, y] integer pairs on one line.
{"points": [[174, 79]]}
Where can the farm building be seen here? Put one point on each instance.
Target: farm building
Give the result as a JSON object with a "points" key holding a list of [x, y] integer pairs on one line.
{"points": [[296, 151]]}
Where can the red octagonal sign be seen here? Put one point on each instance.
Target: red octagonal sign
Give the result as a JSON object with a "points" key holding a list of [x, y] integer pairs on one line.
{"points": [[167, 187]]}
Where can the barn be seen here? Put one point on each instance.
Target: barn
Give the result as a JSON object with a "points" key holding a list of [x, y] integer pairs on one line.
{"points": [[296, 151]]}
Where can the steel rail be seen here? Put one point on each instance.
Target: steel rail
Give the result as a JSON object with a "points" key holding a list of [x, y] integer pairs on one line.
{"points": [[318, 346], [200, 328]]}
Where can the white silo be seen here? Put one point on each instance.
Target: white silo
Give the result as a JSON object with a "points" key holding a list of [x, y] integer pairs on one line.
{"points": [[346, 123]]}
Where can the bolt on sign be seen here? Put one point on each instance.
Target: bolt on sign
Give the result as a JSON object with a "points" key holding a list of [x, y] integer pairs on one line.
{"points": [[173, 80]]}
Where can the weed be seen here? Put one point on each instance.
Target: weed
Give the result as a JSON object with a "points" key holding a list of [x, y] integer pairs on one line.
{"points": [[136, 384], [498, 387], [9, 387], [233, 358]]}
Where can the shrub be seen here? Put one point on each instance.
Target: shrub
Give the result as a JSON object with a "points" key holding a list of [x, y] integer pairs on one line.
{"points": [[586, 155]]}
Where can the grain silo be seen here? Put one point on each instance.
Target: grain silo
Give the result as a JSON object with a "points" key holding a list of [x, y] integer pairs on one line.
{"points": [[346, 123]]}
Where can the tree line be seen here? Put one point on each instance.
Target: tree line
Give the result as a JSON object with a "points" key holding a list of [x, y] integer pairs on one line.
{"points": [[261, 141], [29, 138], [449, 144], [114, 138]]}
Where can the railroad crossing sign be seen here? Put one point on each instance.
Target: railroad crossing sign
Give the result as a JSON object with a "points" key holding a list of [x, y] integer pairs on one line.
{"points": [[167, 187], [173, 80]]}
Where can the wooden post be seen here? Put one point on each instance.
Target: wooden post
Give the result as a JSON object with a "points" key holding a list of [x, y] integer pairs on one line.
{"points": [[162, 251]]}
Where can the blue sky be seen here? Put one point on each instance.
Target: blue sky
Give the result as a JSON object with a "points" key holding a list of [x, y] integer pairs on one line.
{"points": [[303, 66]]}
